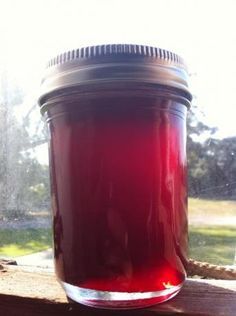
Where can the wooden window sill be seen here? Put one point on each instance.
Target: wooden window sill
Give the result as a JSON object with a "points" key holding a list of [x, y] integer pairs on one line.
{"points": [[33, 291]]}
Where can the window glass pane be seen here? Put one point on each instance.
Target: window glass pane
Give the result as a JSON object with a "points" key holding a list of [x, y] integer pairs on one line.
{"points": [[202, 32]]}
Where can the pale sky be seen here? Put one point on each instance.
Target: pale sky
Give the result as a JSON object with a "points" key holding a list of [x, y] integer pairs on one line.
{"points": [[202, 32]]}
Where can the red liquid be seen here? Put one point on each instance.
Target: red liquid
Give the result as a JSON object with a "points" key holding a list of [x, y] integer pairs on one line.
{"points": [[118, 171]]}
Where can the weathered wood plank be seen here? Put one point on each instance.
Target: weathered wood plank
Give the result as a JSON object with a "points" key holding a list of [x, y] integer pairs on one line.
{"points": [[36, 292]]}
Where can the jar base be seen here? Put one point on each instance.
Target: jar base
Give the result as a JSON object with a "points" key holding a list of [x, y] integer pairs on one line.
{"points": [[118, 300]]}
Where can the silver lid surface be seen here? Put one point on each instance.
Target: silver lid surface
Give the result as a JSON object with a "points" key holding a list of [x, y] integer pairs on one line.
{"points": [[115, 63]]}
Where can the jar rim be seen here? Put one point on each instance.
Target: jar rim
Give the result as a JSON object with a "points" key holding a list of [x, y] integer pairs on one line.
{"points": [[115, 63]]}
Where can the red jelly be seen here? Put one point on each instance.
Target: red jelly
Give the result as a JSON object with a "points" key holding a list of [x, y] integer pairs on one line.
{"points": [[117, 120]]}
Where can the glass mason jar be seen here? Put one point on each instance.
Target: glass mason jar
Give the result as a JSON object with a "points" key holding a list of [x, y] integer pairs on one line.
{"points": [[117, 120]]}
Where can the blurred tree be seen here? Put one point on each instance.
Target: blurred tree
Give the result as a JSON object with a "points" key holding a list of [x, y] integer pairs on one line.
{"points": [[23, 181], [197, 164], [211, 162]]}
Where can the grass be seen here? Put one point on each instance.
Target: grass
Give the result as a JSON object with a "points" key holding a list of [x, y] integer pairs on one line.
{"points": [[20, 242], [211, 207], [212, 243], [215, 244]]}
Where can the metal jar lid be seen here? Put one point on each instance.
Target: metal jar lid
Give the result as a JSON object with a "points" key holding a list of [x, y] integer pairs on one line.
{"points": [[115, 63]]}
